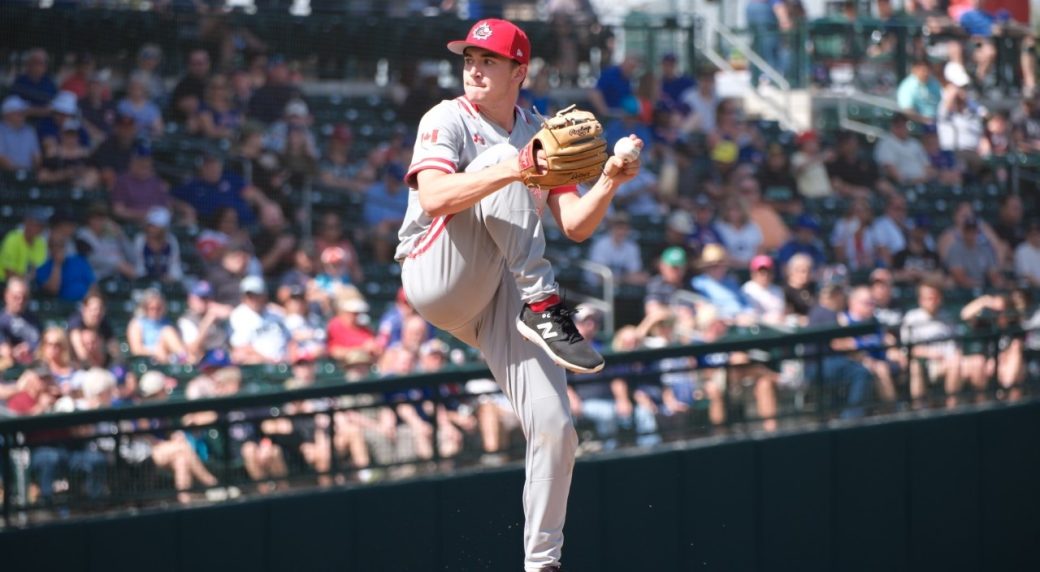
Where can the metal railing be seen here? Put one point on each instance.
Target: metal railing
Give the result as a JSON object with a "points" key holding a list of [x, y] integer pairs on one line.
{"points": [[313, 431]]}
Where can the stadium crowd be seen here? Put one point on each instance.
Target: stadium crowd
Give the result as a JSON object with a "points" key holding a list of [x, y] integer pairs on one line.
{"points": [[228, 271]]}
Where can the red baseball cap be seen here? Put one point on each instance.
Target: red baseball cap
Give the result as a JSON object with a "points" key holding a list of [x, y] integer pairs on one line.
{"points": [[499, 36]]}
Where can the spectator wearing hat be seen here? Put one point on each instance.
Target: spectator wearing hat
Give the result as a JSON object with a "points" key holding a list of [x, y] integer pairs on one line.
{"points": [[919, 93], [334, 271], [24, 249], [670, 278], [674, 83], [67, 160], [804, 241], [918, 261], [218, 116], [258, 332], [53, 128], [112, 157], [705, 228], [678, 227], [852, 173], [809, 166], [1027, 256], [618, 252], [102, 241], [97, 110], [386, 201], [32, 394], [329, 233], [214, 188], [67, 276], [138, 105], [347, 337], [717, 285], [901, 157], [270, 100], [763, 294], [960, 123], [295, 120], [139, 190], [150, 333], [204, 324], [740, 234], [34, 84], [157, 254], [19, 145], [191, 88], [20, 329]]}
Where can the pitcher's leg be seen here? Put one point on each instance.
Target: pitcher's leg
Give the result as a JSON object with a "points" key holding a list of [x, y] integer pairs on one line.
{"points": [[511, 216], [537, 390]]}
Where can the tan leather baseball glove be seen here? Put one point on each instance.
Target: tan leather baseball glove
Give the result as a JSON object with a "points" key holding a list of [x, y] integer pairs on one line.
{"points": [[574, 149]]}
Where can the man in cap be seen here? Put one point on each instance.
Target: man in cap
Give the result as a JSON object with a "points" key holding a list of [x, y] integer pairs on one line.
{"points": [[670, 278], [24, 249], [112, 157], [19, 146], [973, 263], [188, 93], [347, 337], [67, 276], [157, 253], [805, 241], [204, 324], [717, 285], [472, 254], [258, 335]]}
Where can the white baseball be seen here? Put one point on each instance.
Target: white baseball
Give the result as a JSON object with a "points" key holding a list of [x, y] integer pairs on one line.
{"points": [[626, 149]]}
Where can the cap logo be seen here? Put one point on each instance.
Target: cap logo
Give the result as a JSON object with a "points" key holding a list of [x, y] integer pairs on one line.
{"points": [[519, 53], [482, 32]]}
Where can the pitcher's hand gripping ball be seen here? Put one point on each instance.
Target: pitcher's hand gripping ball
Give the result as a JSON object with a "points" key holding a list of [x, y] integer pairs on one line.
{"points": [[574, 147]]}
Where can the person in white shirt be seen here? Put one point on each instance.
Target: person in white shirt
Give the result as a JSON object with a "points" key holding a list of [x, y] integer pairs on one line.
{"points": [[740, 235], [933, 355], [617, 251], [889, 230], [764, 296], [1027, 256], [901, 157], [258, 334]]}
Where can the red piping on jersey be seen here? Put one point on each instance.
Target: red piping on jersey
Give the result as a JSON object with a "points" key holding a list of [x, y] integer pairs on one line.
{"points": [[430, 236], [467, 105], [429, 163]]}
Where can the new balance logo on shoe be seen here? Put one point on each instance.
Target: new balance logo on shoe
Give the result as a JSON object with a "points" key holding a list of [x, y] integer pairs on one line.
{"points": [[554, 331], [547, 330]]}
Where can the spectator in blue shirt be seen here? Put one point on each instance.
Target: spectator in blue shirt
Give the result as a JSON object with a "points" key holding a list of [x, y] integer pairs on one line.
{"points": [[67, 276], [673, 83], [805, 241], [35, 85], [919, 93], [145, 112], [766, 19], [614, 87], [19, 147], [386, 201], [214, 188], [716, 284]]}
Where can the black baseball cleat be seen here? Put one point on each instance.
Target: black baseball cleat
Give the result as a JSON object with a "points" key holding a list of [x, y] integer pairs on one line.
{"points": [[555, 332], [553, 568]]}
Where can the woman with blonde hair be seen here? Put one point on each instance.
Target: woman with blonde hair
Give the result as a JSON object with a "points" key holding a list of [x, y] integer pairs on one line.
{"points": [[151, 334], [55, 355]]}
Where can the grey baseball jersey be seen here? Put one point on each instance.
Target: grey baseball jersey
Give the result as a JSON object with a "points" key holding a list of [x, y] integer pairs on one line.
{"points": [[470, 274]]}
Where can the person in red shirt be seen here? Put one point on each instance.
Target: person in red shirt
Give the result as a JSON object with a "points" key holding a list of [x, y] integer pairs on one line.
{"points": [[34, 394], [347, 338]]}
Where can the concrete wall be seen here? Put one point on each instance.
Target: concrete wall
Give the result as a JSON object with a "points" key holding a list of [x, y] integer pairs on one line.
{"points": [[955, 492]]}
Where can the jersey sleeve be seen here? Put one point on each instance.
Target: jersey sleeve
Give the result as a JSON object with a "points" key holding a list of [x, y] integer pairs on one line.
{"points": [[439, 143]]}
